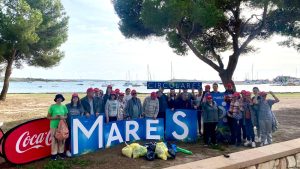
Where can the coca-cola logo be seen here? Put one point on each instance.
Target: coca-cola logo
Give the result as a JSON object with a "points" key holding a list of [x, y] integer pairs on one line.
{"points": [[28, 142]]}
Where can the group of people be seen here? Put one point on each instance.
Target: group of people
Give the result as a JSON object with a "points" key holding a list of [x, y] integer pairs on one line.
{"points": [[240, 111]]}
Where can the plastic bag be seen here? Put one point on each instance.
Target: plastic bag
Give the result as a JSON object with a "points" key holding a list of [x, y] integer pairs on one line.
{"points": [[162, 151], [127, 151], [62, 131], [139, 151]]}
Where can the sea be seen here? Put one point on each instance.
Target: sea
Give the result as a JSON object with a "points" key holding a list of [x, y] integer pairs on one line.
{"points": [[81, 86]]}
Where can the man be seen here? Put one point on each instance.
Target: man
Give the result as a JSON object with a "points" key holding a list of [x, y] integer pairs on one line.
{"points": [[89, 103], [228, 89], [151, 106], [255, 108], [205, 92], [183, 102], [163, 104], [133, 107], [215, 87], [99, 100]]}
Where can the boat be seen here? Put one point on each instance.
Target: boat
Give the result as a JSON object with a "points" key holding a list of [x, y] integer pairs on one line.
{"points": [[127, 84], [136, 85]]}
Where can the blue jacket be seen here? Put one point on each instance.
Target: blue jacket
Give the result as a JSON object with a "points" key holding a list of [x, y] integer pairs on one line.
{"points": [[86, 105]]}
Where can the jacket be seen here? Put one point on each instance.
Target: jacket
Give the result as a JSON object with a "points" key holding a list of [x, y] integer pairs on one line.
{"points": [[210, 113], [129, 108], [86, 105]]}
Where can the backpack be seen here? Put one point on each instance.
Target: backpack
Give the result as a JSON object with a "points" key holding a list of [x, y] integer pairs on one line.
{"points": [[62, 131]]}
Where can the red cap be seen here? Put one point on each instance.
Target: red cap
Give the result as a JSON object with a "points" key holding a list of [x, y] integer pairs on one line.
{"points": [[263, 94], [117, 91], [109, 86], [248, 93], [229, 85], [113, 93], [121, 94], [133, 92], [243, 92], [236, 94], [96, 90], [153, 95], [207, 86], [208, 97], [90, 90], [75, 95]]}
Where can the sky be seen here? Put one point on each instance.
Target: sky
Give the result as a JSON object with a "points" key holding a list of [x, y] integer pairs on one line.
{"points": [[96, 49]]}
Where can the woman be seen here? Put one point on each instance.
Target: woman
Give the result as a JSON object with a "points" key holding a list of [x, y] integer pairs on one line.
{"points": [[210, 115], [171, 99], [112, 108], [122, 106], [265, 117], [57, 112], [75, 109], [236, 112], [249, 118], [197, 105]]}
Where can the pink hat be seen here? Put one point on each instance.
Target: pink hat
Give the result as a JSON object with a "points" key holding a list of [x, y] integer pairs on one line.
{"points": [[75, 95], [243, 92], [263, 94], [90, 90], [229, 85], [96, 90], [207, 86], [208, 97], [113, 93], [121, 94], [117, 91], [153, 95], [109, 86], [236, 94], [248, 93]]}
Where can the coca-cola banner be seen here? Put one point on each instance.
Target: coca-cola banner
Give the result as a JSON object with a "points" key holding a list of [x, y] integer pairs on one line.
{"points": [[27, 142]]}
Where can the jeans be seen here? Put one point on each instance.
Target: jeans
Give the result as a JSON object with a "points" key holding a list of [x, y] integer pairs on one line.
{"points": [[249, 130], [266, 130], [237, 125], [210, 132]]}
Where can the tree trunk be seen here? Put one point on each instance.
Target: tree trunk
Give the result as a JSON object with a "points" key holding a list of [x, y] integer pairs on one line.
{"points": [[226, 78], [8, 72]]}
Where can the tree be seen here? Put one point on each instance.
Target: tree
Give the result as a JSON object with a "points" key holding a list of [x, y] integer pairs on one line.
{"points": [[31, 33], [210, 27]]}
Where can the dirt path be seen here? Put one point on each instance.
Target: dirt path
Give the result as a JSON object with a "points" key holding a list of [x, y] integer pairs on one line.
{"points": [[14, 111]]}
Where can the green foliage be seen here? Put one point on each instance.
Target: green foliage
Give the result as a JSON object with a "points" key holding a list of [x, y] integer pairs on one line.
{"points": [[34, 30], [210, 27]]}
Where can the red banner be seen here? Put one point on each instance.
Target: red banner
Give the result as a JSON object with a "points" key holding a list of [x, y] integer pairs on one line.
{"points": [[1, 140], [27, 142]]}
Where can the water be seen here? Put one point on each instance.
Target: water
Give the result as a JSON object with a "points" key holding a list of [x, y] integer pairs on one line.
{"points": [[70, 87]]}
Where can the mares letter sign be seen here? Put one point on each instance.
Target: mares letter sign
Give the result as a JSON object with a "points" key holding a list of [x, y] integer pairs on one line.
{"points": [[32, 140]]}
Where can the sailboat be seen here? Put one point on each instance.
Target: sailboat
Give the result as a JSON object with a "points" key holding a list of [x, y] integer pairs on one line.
{"points": [[127, 82]]}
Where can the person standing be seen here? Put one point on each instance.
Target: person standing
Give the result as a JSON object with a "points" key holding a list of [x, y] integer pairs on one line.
{"points": [[198, 107], [151, 106], [228, 89], [112, 108], [107, 94], [215, 87], [236, 111], [255, 107], [89, 103], [133, 107], [99, 100], [121, 100], [163, 104], [249, 117], [171, 99], [265, 117], [210, 115], [75, 109], [57, 112], [183, 102], [127, 95]]}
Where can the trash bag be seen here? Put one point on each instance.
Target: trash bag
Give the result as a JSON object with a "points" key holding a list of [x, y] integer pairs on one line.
{"points": [[172, 154], [139, 151], [150, 156], [127, 151], [162, 151]]}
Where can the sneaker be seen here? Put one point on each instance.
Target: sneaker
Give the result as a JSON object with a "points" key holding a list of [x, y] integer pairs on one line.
{"points": [[258, 139], [253, 145], [261, 144], [53, 157], [68, 153], [205, 145], [62, 156], [247, 143]]}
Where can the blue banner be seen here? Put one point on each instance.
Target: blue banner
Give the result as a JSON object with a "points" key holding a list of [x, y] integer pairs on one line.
{"points": [[174, 85], [218, 98], [91, 134], [181, 125]]}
